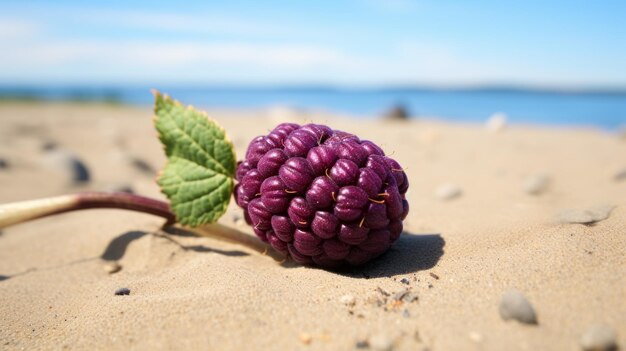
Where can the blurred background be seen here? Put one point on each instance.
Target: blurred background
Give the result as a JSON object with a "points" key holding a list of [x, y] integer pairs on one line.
{"points": [[558, 62]]}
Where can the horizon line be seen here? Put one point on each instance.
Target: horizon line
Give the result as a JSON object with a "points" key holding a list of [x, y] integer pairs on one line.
{"points": [[495, 88]]}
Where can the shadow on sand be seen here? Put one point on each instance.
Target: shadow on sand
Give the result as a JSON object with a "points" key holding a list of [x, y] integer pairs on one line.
{"points": [[410, 254], [116, 248]]}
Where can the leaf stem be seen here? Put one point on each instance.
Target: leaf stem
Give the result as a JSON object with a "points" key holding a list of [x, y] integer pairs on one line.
{"points": [[19, 212]]}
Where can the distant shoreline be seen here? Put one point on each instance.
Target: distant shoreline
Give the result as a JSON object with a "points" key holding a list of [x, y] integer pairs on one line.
{"points": [[601, 108], [97, 89]]}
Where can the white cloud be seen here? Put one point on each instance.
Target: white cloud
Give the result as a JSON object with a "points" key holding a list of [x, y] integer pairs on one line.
{"points": [[14, 29], [198, 23], [127, 60], [169, 54]]}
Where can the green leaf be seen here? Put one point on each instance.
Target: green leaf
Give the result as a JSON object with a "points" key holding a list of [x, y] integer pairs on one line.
{"points": [[198, 176]]}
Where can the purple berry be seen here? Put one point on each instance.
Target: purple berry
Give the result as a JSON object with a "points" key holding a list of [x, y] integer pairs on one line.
{"points": [[344, 172], [283, 228], [353, 234], [371, 148], [325, 224], [377, 164], [376, 217], [275, 241], [296, 174], [335, 249], [299, 142], [353, 151], [261, 217], [369, 181], [377, 241], [322, 192], [300, 212], [257, 148], [398, 174], [307, 242], [280, 133], [274, 196], [321, 158], [322, 196], [350, 203], [270, 163], [249, 187], [242, 169]]}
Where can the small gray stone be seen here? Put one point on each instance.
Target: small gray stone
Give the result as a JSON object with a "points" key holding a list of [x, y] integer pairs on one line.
{"points": [[475, 336], [119, 188], [122, 291], [380, 342], [409, 297], [620, 175], [142, 166], [397, 113], [68, 163], [400, 294], [621, 133], [347, 300], [405, 281], [585, 216], [362, 344], [448, 191], [536, 184], [599, 338], [238, 220], [514, 305], [112, 267], [496, 123], [4, 164]]}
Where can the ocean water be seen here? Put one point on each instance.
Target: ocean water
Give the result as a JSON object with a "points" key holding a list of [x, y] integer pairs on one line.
{"points": [[606, 110]]}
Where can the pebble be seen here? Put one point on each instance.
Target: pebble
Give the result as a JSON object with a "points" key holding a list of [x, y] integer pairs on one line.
{"points": [[514, 305], [282, 113], [348, 300], [599, 338], [619, 175], [306, 338], [536, 184], [399, 296], [119, 188], [238, 220], [448, 191], [112, 267], [621, 133], [68, 163], [122, 291], [362, 344], [475, 337], [380, 342], [405, 281], [585, 216], [397, 113], [142, 166], [409, 297], [4, 164], [496, 123]]}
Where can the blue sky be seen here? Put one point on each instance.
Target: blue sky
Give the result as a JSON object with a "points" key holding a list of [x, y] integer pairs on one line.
{"points": [[347, 43]]}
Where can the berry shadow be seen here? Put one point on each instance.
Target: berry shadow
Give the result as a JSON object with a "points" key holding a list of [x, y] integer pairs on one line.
{"points": [[410, 254], [116, 248]]}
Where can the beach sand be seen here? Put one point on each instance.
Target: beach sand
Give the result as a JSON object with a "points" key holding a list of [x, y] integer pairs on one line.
{"points": [[457, 256]]}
